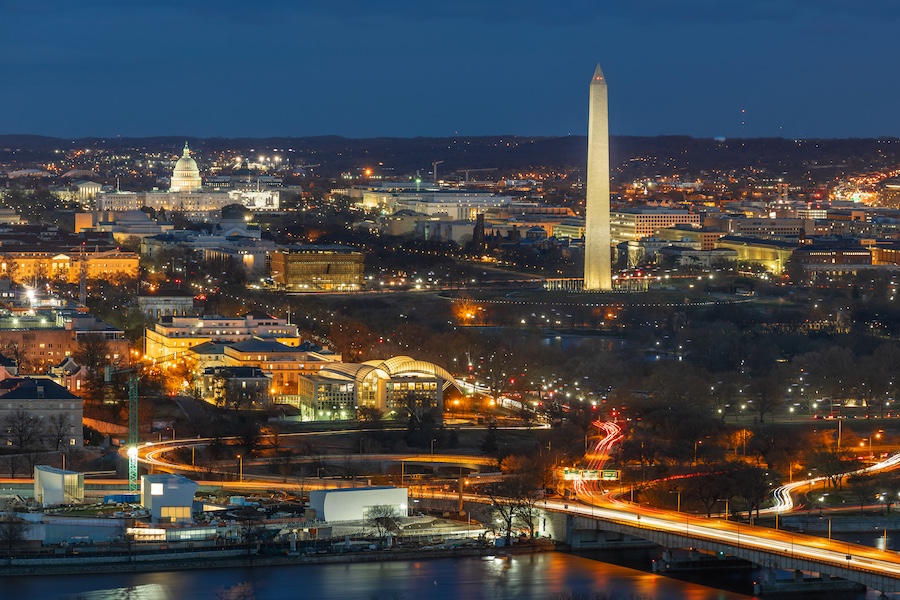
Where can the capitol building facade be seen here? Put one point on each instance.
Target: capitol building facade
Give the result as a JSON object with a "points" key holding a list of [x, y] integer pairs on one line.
{"points": [[186, 196]]}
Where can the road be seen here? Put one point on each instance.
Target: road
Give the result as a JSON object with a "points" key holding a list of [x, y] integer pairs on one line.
{"points": [[777, 543]]}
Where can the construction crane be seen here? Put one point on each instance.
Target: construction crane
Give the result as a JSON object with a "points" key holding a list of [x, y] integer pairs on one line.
{"points": [[467, 171], [434, 169], [133, 377], [300, 168]]}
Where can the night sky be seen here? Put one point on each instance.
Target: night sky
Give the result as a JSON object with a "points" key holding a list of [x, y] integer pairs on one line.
{"points": [[363, 68]]}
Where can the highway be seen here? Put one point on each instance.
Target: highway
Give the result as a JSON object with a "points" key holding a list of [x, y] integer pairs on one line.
{"points": [[787, 547], [831, 556]]}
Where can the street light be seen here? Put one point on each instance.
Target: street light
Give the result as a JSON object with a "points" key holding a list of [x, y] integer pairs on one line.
{"points": [[432, 447], [725, 500], [240, 468], [677, 492], [695, 451]]}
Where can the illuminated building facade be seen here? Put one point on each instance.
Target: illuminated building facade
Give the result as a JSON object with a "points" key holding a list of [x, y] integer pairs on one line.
{"points": [[394, 386], [176, 335], [48, 337], [637, 223], [317, 268]]}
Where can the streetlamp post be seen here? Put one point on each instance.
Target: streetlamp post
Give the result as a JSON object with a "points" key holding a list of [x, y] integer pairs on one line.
{"points": [[240, 468], [696, 443], [432, 447], [725, 500], [677, 493]]}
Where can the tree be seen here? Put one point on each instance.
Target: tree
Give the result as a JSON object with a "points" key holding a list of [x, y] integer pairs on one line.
{"points": [[421, 428], [9, 267], [370, 415], [505, 510], [59, 429], [14, 463], [489, 444], [832, 462], [15, 351], [863, 485], [23, 429], [182, 375], [252, 528], [707, 488], [248, 435], [738, 438], [888, 487], [768, 390], [13, 531], [752, 485], [93, 352], [384, 518]]}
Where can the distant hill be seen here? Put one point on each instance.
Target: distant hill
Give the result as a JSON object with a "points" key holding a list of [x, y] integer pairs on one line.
{"points": [[631, 157]]}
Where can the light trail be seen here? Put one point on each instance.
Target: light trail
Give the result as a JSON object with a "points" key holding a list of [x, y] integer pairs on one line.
{"points": [[599, 455], [784, 502]]}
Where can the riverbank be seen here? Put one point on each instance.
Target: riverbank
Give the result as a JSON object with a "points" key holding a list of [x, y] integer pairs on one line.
{"points": [[239, 558]]}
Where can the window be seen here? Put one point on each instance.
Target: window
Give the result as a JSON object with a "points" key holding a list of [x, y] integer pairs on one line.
{"points": [[156, 489], [175, 512]]}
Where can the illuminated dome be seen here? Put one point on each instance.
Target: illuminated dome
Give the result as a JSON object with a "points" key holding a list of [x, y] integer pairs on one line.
{"points": [[186, 177]]}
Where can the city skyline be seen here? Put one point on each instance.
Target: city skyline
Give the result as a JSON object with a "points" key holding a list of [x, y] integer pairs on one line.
{"points": [[404, 69]]}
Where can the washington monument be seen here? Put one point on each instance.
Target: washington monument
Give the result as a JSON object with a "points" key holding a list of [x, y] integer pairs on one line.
{"points": [[597, 274]]}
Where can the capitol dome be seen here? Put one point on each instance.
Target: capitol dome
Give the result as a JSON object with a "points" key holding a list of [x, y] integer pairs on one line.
{"points": [[186, 177]]}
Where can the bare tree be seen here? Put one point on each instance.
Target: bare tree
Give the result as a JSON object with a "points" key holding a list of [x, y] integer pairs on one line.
{"points": [[93, 352], [13, 531], [58, 430], [505, 511], [15, 351], [863, 485], [528, 512], [832, 462], [383, 518], [23, 430], [248, 436], [14, 464]]}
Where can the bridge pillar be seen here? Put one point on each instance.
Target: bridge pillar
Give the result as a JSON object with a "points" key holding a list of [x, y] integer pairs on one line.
{"points": [[798, 576]]}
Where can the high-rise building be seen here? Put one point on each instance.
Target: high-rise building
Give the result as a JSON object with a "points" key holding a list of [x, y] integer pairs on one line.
{"points": [[597, 269]]}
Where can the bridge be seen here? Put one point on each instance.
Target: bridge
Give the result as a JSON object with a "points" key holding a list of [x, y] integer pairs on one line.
{"points": [[777, 549]]}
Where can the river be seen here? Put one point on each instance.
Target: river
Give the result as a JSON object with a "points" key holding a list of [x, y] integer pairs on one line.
{"points": [[522, 577]]}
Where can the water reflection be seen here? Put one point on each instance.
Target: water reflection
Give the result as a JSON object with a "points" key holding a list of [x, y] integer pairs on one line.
{"points": [[526, 577]]}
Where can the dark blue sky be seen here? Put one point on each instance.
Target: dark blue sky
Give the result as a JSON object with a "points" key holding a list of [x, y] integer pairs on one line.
{"points": [[361, 68]]}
